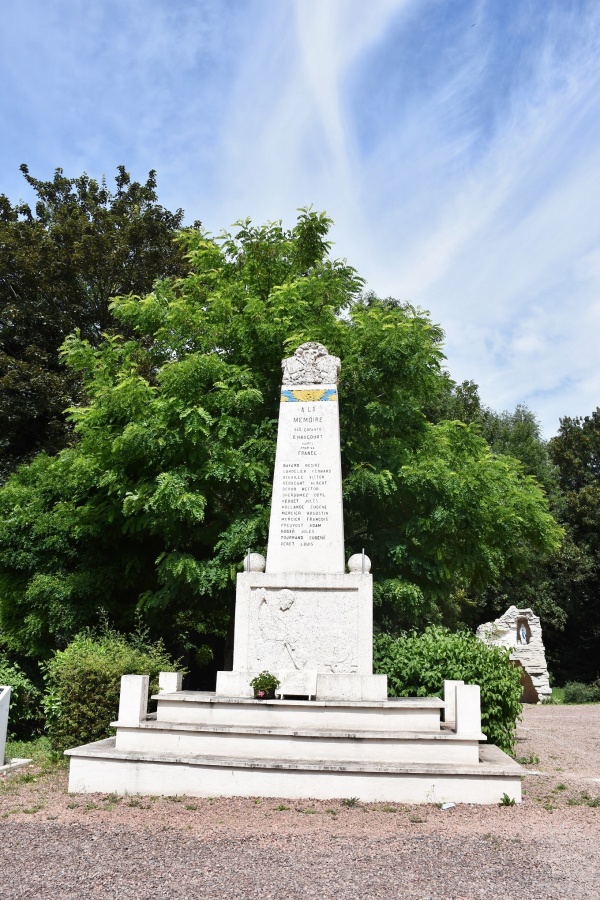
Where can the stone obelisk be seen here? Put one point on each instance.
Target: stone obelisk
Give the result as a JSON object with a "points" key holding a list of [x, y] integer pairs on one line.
{"points": [[306, 532], [298, 614]]}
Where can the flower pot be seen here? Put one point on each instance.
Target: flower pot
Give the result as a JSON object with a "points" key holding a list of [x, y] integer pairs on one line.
{"points": [[265, 694]]}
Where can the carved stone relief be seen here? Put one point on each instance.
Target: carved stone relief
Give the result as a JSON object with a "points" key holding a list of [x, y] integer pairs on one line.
{"points": [[311, 364], [301, 630]]}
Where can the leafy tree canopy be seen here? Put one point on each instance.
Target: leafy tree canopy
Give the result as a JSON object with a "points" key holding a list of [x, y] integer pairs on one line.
{"points": [[60, 263], [576, 575], [514, 433], [170, 480]]}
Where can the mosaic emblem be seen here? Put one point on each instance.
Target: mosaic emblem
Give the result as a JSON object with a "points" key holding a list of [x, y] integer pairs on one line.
{"points": [[313, 395]]}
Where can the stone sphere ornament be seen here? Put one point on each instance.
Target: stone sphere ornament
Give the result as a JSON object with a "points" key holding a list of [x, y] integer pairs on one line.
{"points": [[254, 562], [355, 564]]}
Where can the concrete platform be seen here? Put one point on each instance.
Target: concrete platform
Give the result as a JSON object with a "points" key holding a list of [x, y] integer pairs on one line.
{"points": [[100, 768], [201, 744], [260, 743], [208, 708]]}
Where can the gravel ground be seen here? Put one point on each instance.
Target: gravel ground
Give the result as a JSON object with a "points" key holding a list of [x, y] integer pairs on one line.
{"points": [[56, 845]]}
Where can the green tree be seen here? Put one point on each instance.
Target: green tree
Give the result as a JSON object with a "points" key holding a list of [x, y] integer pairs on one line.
{"points": [[170, 480], [517, 433], [60, 264], [576, 575]]}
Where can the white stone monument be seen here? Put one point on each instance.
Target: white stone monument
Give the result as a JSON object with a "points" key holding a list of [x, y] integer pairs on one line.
{"points": [[521, 631], [331, 731], [298, 610]]}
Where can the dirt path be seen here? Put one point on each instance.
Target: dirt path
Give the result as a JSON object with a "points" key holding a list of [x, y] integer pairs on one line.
{"points": [[56, 845]]}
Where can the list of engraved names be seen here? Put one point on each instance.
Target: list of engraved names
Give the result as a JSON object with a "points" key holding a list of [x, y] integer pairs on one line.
{"points": [[304, 508]]}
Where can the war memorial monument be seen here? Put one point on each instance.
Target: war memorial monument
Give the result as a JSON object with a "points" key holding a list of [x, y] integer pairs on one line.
{"points": [[331, 730]]}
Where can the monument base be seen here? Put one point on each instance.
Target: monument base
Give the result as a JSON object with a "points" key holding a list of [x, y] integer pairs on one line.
{"points": [[200, 744], [314, 622]]}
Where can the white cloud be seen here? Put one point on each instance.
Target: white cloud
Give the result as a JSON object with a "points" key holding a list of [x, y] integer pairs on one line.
{"points": [[455, 146]]}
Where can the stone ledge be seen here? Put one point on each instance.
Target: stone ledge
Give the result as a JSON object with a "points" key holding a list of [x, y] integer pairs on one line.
{"points": [[492, 762], [15, 763], [282, 731], [390, 702]]}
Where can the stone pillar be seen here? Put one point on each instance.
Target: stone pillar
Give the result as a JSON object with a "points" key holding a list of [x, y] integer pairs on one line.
{"points": [[468, 709], [133, 702], [450, 699], [306, 531], [304, 613], [169, 682]]}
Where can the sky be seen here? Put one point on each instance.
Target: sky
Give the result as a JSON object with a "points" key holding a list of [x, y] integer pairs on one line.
{"points": [[455, 144]]}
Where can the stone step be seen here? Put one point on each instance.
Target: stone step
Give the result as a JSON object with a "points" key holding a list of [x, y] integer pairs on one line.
{"points": [[101, 768], [395, 714], [291, 742]]}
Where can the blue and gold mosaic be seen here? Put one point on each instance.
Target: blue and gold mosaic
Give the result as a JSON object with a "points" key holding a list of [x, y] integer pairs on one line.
{"points": [[312, 395]]}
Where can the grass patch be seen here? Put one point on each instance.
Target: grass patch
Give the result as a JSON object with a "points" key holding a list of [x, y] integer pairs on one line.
{"points": [[137, 803], [531, 760], [350, 802], [557, 698], [31, 810], [39, 750], [584, 799]]}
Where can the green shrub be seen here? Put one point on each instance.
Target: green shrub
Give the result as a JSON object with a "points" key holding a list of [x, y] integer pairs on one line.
{"points": [[83, 683], [25, 715], [576, 692], [417, 664], [556, 697]]}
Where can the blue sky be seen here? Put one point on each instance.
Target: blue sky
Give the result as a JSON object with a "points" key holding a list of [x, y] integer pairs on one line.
{"points": [[455, 143]]}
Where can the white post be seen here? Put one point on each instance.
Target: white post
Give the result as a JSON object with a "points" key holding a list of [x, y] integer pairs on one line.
{"points": [[4, 704], [133, 702], [450, 699], [468, 709], [169, 682]]}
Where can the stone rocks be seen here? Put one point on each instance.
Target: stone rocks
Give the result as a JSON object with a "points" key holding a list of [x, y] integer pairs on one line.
{"points": [[520, 630]]}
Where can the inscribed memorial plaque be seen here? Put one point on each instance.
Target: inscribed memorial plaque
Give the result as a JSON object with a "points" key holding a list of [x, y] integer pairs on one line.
{"points": [[306, 532]]}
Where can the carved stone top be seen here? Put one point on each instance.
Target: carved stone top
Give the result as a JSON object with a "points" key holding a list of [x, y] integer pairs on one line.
{"points": [[311, 364]]}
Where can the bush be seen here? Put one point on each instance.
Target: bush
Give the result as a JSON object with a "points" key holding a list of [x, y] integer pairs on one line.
{"points": [[576, 692], [83, 683], [25, 716], [417, 664]]}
